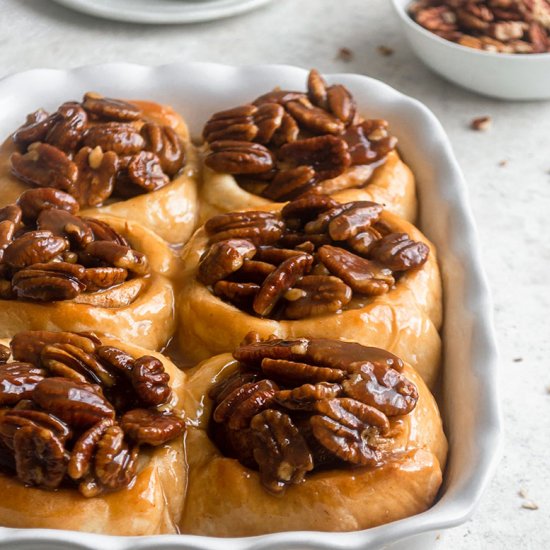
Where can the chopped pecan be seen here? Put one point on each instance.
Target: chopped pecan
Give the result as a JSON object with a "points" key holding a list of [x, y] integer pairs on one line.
{"points": [[45, 166], [399, 252], [165, 143], [49, 282], [40, 457], [97, 171], [224, 258], [123, 139], [70, 361], [345, 426], [386, 389], [80, 461], [118, 255], [150, 381], [328, 155], [239, 157], [145, 171], [261, 228], [279, 281], [320, 294], [150, 427], [28, 345], [106, 108], [363, 276], [304, 398], [18, 381], [67, 130], [77, 403], [33, 201], [280, 450], [34, 247], [290, 183], [64, 224], [238, 408]]}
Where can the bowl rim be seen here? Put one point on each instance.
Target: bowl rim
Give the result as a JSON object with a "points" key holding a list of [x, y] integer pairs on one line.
{"points": [[400, 7], [441, 515]]}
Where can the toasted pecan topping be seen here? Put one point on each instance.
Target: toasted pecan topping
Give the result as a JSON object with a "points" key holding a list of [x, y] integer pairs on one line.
{"points": [[294, 406], [310, 259], [49, 253], [76, 412], [286, 144], [94, 150]]}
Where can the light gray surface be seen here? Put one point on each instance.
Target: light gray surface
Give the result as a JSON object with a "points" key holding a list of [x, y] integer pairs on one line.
{"points": [[511, 202]]}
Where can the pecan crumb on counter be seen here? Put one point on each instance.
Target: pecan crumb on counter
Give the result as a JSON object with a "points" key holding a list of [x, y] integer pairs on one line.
{"points": [[344, 54], [386, 51], [481, 124]]}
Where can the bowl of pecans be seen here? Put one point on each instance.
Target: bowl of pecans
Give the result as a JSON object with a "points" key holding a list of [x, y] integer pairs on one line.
{"points": [[498, 48]]}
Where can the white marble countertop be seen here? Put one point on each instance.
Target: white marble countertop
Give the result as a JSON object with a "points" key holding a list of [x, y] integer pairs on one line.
{"points": [[511, 199]]}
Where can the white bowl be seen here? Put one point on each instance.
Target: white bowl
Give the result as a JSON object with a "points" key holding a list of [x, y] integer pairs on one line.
{"points": [[469, 395], [505, 76]]}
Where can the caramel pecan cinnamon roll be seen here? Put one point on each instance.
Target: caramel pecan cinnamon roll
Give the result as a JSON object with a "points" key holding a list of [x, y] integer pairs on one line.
{"points": [[128, 159], [91, 435], [313, 268], [308, 434], [62, 270], [285, 144]]}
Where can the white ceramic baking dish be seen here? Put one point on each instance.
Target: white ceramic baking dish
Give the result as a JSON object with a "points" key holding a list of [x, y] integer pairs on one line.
{"points": [[469, 394]]}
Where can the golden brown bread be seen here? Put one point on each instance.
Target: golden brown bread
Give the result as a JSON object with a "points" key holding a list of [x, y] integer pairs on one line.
{"points": [[152, 505], [404, 321], [226, 499], [392, 184], [140, 311], [171, 211]]}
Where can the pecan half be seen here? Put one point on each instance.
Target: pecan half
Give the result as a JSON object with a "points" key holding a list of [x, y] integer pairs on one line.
{"points": [[317, 89], [319, 295], [33, 201], [290, 183], [369, 142], [39, 457], [261, 228], [49, 282], [150, 427], [67, 130], [78, 404], [97, 278], [238, 408], [165, 143], [34, 247], [5, 353], [104, 232], [18, 381], [341, 103], [150, 381], [313, 118], [239, 157], [328, 155], [64, 224], [123, 139], [118, 255], [45, 166], [97, 171], [343, 428], [224, 258], [363, 276], [121, 361], [35, 129], [304, 398], [280, 450], [386, 389], [239, 294], [399, 252], [145, 171], [291, 372], [106, 108], [279, 281]]}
